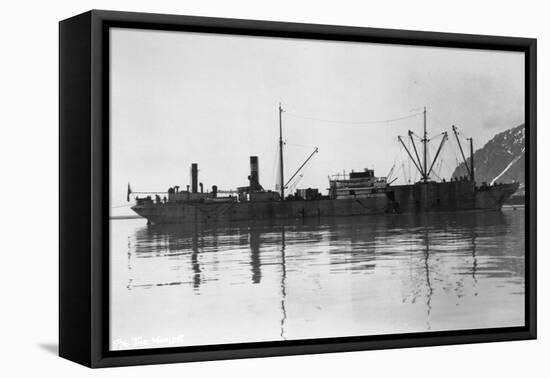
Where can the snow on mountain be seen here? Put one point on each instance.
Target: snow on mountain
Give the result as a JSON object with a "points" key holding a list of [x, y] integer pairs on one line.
{"points": [[501, 159]]}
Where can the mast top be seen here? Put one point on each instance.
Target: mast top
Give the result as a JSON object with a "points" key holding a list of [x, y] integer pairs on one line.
{"points": [[422, 165]]}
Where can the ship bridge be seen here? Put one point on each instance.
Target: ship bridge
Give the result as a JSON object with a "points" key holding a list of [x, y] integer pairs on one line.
{"points": [[356, 184]]}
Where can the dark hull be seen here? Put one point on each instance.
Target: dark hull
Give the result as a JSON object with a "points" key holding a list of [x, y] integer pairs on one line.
{"points": [[417, 198]]}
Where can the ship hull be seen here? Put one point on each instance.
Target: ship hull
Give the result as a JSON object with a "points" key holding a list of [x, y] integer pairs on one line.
{"points": [[417, 198]]}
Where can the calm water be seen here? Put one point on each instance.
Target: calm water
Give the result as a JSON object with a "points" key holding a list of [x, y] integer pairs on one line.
{"points": [[179, 286]]}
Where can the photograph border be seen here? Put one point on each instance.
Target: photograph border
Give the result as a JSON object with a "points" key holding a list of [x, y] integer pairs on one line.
{"points": [[84, 208]]}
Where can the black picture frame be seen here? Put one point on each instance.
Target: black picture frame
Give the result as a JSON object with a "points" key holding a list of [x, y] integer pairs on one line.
{"points": [[84, 190]]}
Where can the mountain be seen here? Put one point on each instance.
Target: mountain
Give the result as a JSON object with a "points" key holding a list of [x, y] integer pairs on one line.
{"points": [[501, 159]]}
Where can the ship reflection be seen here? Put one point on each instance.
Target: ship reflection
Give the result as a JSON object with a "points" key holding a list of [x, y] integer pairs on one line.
{"points": [[449, 258], [283, 283], [255, 261], [429, 288], [430, 255]]}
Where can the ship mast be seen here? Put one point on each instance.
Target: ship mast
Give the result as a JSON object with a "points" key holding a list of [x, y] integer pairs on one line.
{"points": [[425, 142], [281, 168], [472, 159], [422, 166]]}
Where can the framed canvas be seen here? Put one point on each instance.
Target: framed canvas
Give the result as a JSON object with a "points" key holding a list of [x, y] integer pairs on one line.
{"points": [[235, 188]]}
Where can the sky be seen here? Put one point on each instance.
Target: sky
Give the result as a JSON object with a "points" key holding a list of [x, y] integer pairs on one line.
{"points": [[179, 98]]}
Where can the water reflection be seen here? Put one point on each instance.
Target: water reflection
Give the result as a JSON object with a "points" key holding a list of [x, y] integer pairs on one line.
{"points": [[255, 261], [429, 287], [435, 261], [283, 279], [195, 262]]}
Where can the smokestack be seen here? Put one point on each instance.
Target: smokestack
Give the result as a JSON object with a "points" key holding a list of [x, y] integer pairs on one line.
{"points": [[254, 178], [202, 188], [194, 177]]}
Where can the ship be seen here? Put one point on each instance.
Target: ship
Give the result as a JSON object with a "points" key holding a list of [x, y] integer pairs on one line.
{"points": [[356, 193]]}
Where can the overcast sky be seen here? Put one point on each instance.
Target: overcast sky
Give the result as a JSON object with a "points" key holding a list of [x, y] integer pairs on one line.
{"points": [[179, 98]]}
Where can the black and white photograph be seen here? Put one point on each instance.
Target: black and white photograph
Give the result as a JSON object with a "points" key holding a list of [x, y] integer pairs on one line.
{"points": [[276, 189]]}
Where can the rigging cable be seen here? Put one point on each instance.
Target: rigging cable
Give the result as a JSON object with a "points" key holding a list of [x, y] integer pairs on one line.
{"points": [[368, 122]]}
